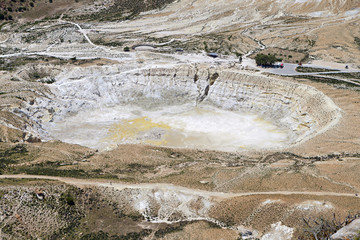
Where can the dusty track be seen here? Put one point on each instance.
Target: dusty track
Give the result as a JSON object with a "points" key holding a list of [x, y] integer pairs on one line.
{"points": [[170, 187]]}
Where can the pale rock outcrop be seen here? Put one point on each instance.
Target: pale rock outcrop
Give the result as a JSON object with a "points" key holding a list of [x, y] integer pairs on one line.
{"points": [[278, 232], [348, 232]]}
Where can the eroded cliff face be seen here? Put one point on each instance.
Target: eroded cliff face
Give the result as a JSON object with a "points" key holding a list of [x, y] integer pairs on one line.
{"points": [[302, 110]]}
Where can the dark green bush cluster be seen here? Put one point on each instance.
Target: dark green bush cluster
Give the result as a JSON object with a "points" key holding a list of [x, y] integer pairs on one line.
{"points": [[5, 16], [262, 59], [105, 236], [15, 6], [357, 41], [68, 198]]}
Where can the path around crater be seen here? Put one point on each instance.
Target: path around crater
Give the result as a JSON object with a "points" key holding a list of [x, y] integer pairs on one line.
{"points": [[169, 187]]}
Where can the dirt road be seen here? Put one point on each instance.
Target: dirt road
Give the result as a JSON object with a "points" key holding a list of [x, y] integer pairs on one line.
{"points": [[169, 187]]}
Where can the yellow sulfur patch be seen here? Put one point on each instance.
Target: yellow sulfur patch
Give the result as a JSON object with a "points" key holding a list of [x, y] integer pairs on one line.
{"points": [[129, 130]]}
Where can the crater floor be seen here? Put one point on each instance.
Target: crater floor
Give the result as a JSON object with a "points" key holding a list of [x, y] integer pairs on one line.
{"points": [[189, 126]]}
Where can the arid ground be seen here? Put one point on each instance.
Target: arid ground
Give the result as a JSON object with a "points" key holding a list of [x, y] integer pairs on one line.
{"points": [[115, 123]]}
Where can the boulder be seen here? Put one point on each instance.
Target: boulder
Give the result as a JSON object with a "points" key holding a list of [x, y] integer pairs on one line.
{"points": [[350, 231]]}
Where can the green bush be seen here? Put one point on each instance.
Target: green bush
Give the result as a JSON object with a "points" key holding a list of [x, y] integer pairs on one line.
{"points": [[68, 198], [357, 41], [262, 59], [126, 49], [95, 236], [21, 9]]}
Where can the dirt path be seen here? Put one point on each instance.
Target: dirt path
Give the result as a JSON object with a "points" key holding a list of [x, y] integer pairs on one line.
{"points": [[169, 187]]}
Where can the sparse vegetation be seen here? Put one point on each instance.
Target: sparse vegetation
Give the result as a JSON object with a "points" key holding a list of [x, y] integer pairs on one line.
{"points": [[329, 80], [357, 41], [62, 217], [312, 43], [11, 156], [349, 75], [48, 170], [322, 228], [312, 69], [206, 47], [124, 10], [5, 15], [106, 236], [283, 54], [68, 198], [35, 72], [170, 229]]}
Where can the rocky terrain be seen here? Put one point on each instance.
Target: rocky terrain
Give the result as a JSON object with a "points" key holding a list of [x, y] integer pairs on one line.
{"points": [[99, 101]]}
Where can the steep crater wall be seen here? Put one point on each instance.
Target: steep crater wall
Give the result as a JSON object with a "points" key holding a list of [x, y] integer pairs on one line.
{"points": [[301, 109]]}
